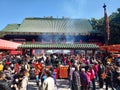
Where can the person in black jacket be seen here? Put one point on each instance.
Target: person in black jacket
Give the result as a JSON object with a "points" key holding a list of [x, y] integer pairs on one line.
{"points": [[4, 85], [109, 78], [117, 78], [101, 70]]}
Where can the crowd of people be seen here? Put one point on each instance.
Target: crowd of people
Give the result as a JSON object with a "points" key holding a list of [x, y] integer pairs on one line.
{"points": [[94, 74], [85, 72]]}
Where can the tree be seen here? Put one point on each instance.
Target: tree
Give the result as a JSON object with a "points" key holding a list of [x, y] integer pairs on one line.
{"points": [[115, 27], [114, 23]]}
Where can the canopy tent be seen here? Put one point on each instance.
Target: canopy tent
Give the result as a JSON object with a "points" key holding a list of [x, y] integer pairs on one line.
{"points": [[4, 44]]}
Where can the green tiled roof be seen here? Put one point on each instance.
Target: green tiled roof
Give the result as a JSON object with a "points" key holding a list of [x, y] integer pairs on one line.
{"points": [[58, 46], [11, 28], [51, 25]]}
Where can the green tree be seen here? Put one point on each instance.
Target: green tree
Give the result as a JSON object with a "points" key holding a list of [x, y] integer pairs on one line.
{"points": [[114, 23], [115, 27]]}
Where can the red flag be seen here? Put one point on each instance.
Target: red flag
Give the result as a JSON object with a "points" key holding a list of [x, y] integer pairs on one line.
{"points": [[33, 41]]}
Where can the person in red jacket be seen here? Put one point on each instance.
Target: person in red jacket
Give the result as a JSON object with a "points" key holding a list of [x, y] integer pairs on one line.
{"points": [[92, 77]]}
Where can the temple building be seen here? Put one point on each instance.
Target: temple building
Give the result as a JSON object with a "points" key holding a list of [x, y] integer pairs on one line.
{"points": [[53, 31]]}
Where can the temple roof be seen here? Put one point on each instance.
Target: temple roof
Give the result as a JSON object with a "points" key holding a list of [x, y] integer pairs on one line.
{"points": [[11, 28], [58, 46], [50, 25]]}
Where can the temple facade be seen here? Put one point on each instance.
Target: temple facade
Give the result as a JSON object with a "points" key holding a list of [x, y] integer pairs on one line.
{"points": [[53, 31]]}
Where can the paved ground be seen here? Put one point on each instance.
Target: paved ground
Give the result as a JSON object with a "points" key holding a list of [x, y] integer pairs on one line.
{"points": [[32, 85], [62, 84]]}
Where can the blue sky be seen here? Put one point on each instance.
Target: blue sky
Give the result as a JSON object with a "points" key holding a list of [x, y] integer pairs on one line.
{"points": [[14, 11]]}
